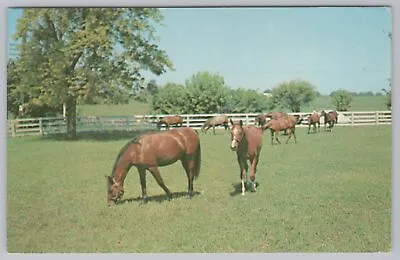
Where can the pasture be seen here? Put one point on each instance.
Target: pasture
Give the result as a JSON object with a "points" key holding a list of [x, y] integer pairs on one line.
{"points": [[330, 192]]}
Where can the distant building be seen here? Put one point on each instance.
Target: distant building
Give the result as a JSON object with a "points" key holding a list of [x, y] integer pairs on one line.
{"points": [[267, 94]]}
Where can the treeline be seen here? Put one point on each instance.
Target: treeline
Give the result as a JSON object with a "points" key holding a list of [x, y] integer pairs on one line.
{"points": [[206, 92], [360, 94]]}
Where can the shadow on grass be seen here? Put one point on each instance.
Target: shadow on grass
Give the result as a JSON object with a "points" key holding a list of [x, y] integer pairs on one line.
{"points": [[159, 198], [106, 135], [238, 188]]}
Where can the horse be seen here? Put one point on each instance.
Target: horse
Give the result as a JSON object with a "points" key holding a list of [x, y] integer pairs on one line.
{"points": [[170, 120], [150, 151], [261, 119], [215, 121], [247, 142], [313, 120], [330, 118], [285, 123]]}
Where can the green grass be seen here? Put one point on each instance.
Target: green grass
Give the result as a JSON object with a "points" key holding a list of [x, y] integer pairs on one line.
{"points": [[330, 192], [362, 103]]}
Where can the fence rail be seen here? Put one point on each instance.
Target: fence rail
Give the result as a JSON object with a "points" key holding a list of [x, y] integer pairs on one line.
{"points": [[52, 125]]}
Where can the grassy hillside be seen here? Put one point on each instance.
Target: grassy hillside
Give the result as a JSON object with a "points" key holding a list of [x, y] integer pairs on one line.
{"points": [[362, 103]]}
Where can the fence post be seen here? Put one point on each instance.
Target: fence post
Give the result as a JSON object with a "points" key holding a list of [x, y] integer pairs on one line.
{"points": [[247, 119], [41, 126], [188, 121], [13, 128], [376, 117], [352, 118], [127, 122]]}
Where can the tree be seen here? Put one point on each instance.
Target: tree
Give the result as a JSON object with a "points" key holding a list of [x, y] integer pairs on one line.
{"points": [[207, 93], [204, 92], [71, 55], [247, 101], [14, 98], [171, 99], [293, 94], [152, 87], [342, 100]]}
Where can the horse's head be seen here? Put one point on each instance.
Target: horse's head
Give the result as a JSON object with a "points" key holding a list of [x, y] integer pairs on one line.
{"points": [[299, 119], [115, 190], [237, 133], [323, 113]]}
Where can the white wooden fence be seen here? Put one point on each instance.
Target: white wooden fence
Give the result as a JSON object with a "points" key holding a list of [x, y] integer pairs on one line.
{"points": [[51, 125]]}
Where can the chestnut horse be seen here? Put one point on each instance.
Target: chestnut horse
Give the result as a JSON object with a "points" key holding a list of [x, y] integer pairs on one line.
{"points": [[313, 120], [247, 142], [261, 119], [284, 123], [329, 118], [170, 120], [215, 121], [153, 150]]}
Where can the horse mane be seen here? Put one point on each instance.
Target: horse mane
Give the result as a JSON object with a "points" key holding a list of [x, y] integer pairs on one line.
{"points": [[123, 150]]}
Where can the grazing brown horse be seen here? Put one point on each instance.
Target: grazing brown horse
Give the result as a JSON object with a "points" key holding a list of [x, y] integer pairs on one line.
{"points": [[261, 119], [153, 150], [170, 120], [285, 123], [215, 121], [313, 120], [329, 118], [247, 142]]}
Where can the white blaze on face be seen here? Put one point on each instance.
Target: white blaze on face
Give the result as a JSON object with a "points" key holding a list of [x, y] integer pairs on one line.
{"points": [[234, 142]]}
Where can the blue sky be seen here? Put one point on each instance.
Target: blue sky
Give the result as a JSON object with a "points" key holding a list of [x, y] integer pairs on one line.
{"points": [[257, 48]]}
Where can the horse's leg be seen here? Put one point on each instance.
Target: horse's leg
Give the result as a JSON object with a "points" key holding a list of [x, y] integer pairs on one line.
{"points": [[309, 127], [294, 134], [156, 174], [188, 165], [254, 163], [318, 126], [272, 136], [276, 136], [243, 170], [142, 175], [289, 134], [213, 129]]}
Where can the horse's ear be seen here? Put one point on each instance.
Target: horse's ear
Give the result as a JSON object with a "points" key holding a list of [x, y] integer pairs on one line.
{"points": [[230, 120], [241, 122]]}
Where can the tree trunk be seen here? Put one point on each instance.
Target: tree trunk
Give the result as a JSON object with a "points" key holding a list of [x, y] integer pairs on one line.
{"points": [[71, 117]]}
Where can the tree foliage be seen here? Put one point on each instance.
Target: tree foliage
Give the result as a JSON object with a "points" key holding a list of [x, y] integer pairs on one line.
{"points": [[207, 93], [204, 92], [342, 99], [247, 101], [70, 55], [292, 94], [171, 99]]}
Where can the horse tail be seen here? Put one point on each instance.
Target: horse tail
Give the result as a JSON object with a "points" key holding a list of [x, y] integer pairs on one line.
{"points": [[197, 162]]}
